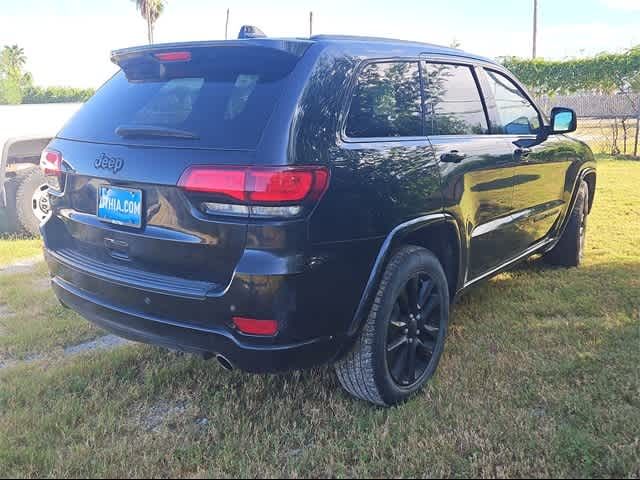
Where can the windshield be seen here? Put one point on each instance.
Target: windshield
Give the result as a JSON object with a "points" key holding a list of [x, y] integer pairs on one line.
{"points": [[221, 98]]}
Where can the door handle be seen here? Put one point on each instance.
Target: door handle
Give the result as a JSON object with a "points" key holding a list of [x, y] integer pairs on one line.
{"points": [[522, 154], [454, 156]]}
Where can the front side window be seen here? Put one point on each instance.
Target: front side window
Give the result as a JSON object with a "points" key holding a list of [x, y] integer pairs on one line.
{"points": [[386, 102], [516, 115], [454, 105]]}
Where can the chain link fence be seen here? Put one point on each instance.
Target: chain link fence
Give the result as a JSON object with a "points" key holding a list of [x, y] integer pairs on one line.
{"points": [[612, 136], [610, 124]]}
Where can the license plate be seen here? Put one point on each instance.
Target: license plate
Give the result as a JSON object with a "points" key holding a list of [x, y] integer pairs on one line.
{"points": [[122, 206]]}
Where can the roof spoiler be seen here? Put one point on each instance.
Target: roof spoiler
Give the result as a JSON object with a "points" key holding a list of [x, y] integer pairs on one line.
{"points": [[294, 47]]}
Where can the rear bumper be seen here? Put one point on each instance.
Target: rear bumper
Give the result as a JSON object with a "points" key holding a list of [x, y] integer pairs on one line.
{"points": [[312, 326], [312, 295], [246, 356]]}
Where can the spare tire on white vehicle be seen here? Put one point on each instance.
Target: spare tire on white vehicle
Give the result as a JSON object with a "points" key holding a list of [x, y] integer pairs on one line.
{"points": [[28, 201]]}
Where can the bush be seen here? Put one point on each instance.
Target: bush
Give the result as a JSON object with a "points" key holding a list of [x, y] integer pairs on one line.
{"points": [[56, 95], [10, 92], [607, 72]]}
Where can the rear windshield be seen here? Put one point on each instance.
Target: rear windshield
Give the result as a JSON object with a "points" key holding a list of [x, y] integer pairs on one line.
{"points": [[221, 98]]}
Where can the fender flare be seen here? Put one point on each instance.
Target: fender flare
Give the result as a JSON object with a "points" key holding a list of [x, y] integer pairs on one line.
{"points": [[382, 258], [565, 221]]}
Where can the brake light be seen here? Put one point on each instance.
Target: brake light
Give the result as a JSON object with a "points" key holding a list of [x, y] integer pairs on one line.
{"points": [[51, 166], [252, 326], [270, 191], [227, 182], [173, 56], [284, 185]]}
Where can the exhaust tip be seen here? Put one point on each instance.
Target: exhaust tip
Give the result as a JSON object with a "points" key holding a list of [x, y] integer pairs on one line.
{"points": [[224, 362]]}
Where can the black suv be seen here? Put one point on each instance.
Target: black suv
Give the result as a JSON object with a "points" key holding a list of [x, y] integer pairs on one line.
{"points": [[284, 203]]}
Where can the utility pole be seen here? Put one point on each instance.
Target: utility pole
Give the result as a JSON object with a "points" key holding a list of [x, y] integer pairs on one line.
{"points": [[535, 29], [226, 27], [310, 24]]}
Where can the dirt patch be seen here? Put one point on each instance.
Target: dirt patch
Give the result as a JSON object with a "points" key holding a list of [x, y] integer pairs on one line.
{"points": [[10, 362], [167, 415], [42, 284], [5, 311], [107, 342], [21, 266], [162, 414]]}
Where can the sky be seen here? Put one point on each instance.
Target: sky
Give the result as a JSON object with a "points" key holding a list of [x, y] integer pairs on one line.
{"points": [[67, 42]]}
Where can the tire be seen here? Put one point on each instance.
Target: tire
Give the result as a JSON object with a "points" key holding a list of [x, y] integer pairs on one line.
{"points": [[397, 330], [569, 251], [30, 202]]}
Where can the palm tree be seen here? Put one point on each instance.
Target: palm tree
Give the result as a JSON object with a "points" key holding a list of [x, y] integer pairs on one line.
{"points": [[13, 59], [150, 11]]}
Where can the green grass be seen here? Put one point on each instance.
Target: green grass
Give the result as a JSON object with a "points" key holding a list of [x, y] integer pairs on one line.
{"points": [[540, 378], [32, 322], [14, 249]]}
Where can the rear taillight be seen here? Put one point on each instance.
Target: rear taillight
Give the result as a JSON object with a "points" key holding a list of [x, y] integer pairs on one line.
{"points": [[51, 166], [280, 186], [226, 182], [257, 191]]}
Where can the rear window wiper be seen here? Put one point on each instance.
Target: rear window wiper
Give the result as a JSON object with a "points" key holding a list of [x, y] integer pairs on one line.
{"points": [[141, 131]]}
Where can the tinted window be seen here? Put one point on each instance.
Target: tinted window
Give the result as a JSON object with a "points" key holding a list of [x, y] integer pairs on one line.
{"points": [[516, 115], [454, 106], [386, 102], [224, 96]]}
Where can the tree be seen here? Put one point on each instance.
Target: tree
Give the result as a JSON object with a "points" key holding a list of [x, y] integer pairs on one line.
{"points": [[13, 59], [634, 79], [13, 80], [150, 11]]}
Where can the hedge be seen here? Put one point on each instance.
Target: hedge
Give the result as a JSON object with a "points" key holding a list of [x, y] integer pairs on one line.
{"points": [[605, 73], [56, 95]]}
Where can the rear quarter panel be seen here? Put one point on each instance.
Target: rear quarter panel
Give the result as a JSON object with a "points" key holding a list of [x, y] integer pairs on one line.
{"points": [[374, 186]]}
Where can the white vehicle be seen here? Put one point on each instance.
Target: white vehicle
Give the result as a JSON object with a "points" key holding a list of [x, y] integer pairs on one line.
{"points": [[24, 132]]}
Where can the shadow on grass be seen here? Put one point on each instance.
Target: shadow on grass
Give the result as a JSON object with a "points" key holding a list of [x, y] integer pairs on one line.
{"points": [[592, 289]]}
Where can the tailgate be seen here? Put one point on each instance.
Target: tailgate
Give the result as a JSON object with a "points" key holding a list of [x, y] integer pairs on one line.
{"points": [[174, 239]]}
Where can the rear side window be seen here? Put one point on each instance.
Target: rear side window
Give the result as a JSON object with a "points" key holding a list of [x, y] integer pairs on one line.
{"points": [[386, 102], [453, 102], [223, 97], [516, 115]]}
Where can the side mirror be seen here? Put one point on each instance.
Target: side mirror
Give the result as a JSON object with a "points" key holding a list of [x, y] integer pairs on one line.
{"points": [[563, 120]]}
